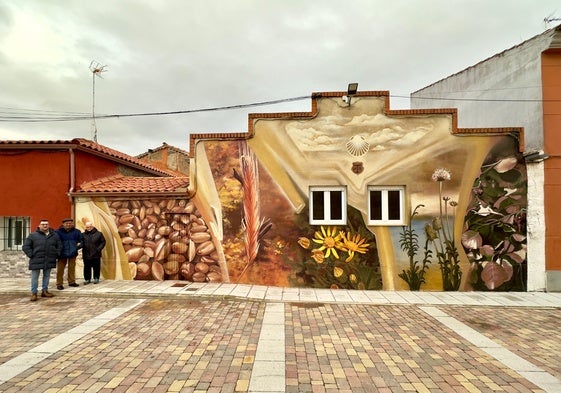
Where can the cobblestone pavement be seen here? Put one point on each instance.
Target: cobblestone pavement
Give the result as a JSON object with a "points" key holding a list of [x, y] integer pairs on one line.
{"points": [[162, 337], [146, 336]]}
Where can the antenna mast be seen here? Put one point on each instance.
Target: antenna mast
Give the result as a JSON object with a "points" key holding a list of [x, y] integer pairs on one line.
{"points": [[548, 19], [96, 69]]}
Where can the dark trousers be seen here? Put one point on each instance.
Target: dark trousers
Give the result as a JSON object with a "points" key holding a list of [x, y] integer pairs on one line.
{"points": [[90, 264]]}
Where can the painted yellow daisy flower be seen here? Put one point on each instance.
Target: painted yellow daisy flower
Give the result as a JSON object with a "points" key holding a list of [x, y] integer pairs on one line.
{"points": [[329, 239], [352, 244]]}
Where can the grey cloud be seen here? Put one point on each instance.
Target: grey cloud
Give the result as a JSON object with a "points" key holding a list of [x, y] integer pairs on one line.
{"points": [[179, 55]]}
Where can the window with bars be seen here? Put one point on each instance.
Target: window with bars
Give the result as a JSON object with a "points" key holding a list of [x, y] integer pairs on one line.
{"points": [[328, 206], [13, 232], [386, 205]]}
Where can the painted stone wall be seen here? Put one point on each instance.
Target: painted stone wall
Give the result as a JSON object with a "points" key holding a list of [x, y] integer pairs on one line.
{"points": [[154, 239]]}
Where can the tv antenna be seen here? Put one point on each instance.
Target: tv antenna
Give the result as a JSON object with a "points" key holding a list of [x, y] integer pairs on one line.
{"points": [[96, 69], [548, 19]]}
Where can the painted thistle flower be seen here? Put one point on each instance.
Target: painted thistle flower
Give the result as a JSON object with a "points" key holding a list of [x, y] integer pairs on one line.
{"points": [[352, 244], [441, 174], [437, 223], [430, 232], [329, 239]]}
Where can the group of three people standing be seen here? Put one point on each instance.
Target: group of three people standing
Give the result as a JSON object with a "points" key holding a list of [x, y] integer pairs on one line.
{"points": [[47, 249]]}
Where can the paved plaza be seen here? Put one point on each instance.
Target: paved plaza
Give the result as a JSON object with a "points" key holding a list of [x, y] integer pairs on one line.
{"points": [[147, 336]]}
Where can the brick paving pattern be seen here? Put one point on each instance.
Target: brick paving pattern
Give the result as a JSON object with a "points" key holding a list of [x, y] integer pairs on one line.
{"points": [[160, 346], [363, 348], [24, 325], [534, 336], [176, 342]]}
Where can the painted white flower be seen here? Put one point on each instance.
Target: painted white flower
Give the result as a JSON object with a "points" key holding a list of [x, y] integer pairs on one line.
{"points": [[441, 174]]}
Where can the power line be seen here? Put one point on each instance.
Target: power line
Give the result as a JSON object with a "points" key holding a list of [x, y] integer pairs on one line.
{"points": [[24, 119], [48, 116], [475, 99]]}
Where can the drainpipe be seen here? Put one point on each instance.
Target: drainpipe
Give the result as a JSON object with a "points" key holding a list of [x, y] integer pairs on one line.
{"points": [[72, 181]]}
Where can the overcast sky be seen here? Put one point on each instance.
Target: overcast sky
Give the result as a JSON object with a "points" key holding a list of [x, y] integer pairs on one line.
{"points": [[183, 55]]}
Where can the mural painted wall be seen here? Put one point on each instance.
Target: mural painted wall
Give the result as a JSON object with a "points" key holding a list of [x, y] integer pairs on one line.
{"points": [[148, 239], [469, 186], [412, 203]]}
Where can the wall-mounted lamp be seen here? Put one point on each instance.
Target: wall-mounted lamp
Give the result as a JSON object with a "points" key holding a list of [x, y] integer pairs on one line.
{"points": [[351, 91], [535, 156]]}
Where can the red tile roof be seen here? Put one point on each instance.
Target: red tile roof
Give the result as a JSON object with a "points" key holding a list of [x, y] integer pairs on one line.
{"points": [[162, 147], [92, 147], [117, 154], [127, 184]]}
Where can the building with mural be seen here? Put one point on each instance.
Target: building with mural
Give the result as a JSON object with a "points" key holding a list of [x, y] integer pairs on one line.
{"points": [[458, 193], [355, 195], [349, 195], [519, 86]]}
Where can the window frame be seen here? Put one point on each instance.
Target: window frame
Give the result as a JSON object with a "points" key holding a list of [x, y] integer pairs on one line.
{"points": [[327, 211], [10, 234], [385, 220]]}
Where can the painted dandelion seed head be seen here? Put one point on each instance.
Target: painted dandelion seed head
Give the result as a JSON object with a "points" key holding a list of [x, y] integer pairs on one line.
{"points": [[441, 174], [357, 145]]}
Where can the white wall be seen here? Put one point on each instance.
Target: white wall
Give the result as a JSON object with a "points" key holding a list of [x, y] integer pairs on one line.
{"points": [[504, 91]]}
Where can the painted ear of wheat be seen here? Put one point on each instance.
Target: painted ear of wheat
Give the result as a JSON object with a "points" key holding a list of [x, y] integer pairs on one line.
{"points": [[255, 227]]}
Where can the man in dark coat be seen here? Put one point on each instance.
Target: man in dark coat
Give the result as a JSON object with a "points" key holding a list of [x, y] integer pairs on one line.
{"points": [[71, 239], [94, 242], [42, 247]]}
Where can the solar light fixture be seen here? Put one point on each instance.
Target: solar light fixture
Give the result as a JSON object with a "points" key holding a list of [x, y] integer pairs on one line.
{"points": [[351, 91]]}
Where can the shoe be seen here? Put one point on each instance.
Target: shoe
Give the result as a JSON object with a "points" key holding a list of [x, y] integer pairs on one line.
{"points": [[46, 294], [87, 282], [73, 285], [59, 287], [96, 281], [33, 297]]}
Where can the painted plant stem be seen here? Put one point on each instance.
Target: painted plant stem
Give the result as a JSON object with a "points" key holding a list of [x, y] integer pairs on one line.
{"points": [[443, 237]]}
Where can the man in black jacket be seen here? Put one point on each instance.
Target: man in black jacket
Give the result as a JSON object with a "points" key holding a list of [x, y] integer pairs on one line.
{"points": [[93, 244], [43, 248]]}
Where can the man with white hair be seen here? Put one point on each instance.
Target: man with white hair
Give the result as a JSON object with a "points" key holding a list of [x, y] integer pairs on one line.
{"points": [[94, 242]]}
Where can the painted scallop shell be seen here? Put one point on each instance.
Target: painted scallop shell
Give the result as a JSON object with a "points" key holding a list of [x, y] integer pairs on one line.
{"points": [[357, 146]]}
